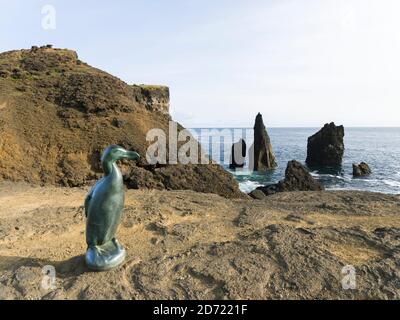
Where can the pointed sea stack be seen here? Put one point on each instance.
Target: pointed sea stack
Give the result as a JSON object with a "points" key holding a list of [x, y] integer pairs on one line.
{"points": [[326, 147], [238, 154], [262, 153]]}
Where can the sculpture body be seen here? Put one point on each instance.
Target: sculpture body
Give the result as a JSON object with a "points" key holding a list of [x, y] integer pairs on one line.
{"points": [[103, 208]]}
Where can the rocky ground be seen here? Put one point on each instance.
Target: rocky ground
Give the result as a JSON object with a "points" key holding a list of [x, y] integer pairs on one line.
{"points": [[188, 245]]}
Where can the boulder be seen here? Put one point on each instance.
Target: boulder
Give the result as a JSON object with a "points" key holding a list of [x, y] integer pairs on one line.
{"points": [[238, 154], [326, 147], [262, 157], [297, 178], [361, 170], [257, 194]]}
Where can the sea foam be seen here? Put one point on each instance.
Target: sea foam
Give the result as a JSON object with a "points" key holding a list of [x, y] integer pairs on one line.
{"points": [[248, 186]]}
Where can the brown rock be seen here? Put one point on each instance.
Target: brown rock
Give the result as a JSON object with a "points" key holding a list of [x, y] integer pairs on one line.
{"points": [[257, 194], [361, 170]]}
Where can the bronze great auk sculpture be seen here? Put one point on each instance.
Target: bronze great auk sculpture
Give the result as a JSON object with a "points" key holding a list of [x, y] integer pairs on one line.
{"points": [[103, 209]]}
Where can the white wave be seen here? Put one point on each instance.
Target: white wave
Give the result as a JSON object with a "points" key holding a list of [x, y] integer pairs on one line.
{"points": [[392, 183], [327, 175], [249, 186]]}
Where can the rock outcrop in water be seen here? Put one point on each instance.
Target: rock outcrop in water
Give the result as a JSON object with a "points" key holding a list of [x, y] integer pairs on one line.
{"points": [[238, 155], [57, 114], [361, 170], [326, 147], [297, 178], [262, 157]]}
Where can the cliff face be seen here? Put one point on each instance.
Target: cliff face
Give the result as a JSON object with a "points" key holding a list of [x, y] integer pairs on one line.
{"points": [[155, 98], [57, 114]]}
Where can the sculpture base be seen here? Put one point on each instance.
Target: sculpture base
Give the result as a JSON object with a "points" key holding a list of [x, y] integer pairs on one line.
{"points": [[105, 257]]}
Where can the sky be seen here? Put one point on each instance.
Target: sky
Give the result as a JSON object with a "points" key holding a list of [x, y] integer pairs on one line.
{"points": [[301, 63]]}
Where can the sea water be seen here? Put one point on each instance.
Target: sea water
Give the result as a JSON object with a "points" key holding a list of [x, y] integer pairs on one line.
{"points": [[379, 147]]}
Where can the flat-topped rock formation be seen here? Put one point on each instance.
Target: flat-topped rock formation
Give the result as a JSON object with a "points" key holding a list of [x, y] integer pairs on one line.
{"points": [[326, 147], [297, 178], [261, 155], [188, 245], [57, 115]]}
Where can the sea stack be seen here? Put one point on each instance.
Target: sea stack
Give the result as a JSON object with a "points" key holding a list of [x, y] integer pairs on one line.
{"points": [[262, 155], [361, 170], [238, 154], [297, 178], [326, 147]]}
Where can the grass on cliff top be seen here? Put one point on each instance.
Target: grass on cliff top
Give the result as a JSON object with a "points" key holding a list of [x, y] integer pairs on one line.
{"points": [[151, 87]]}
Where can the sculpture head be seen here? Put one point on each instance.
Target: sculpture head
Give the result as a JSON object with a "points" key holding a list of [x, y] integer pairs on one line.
{"points": [[114, 153]]}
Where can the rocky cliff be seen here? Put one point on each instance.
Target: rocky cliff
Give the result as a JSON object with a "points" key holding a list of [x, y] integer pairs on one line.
{"points": [[57, 114]]}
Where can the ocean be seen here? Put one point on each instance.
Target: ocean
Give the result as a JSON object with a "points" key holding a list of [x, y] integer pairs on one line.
{"points": [[379, 147]]}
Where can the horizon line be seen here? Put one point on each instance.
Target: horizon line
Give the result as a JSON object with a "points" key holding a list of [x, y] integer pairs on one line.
{"points": [[297, 127]]}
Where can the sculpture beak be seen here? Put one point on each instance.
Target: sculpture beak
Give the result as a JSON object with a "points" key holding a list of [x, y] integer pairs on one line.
{"points": [[132, 155]]}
